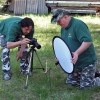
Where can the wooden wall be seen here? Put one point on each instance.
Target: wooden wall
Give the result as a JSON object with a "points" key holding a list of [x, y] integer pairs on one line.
{"points": [[73, 5], [76, 0], [39, 6], [30, 6]]}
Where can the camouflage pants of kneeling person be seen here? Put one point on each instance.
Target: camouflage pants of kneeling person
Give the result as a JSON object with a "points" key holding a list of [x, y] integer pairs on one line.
{"points": [[83, 77], [5, 56]]}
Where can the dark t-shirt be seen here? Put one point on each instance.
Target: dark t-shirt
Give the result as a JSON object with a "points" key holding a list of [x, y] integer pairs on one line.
{"points": [[11, 29], [76, 33]]}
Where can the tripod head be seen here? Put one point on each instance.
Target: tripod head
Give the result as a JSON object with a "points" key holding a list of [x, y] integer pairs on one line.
{"points": [[32, 48]]}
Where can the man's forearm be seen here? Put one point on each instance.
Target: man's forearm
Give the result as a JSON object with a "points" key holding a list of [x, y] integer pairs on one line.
{"points": [[83, 47], [22, 48], [11, 45], [25, 41]]}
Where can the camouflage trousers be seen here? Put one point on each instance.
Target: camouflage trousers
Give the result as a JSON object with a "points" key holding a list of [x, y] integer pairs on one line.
{"points": [[83, 77], [5, 56]]}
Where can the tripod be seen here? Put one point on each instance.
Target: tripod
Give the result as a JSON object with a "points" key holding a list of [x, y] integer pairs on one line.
{"points": [[30, 59]]}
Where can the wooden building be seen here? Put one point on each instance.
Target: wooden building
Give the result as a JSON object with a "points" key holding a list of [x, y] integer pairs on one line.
{"points": [[45, 6], [27, 6], [75, 6]]}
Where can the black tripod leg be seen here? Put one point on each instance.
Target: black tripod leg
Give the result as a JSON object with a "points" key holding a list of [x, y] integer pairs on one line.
{"points": [[39, 61]]}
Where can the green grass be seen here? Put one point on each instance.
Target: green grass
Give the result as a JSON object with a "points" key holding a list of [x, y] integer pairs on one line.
{"points": [[52, 85]]}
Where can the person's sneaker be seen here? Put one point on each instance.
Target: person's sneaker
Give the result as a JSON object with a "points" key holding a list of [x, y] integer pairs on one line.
{"points": [[7, 75]]}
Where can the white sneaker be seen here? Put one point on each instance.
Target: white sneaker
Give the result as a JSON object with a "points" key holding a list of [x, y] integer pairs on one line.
{"points": [[7, 75]]}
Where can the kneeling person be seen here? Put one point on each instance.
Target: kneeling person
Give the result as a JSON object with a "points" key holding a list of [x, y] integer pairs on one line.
{"points": [[77, 36]]}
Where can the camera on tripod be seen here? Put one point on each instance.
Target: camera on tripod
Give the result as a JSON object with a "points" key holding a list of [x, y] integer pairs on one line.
{"points": [[34, 42]]}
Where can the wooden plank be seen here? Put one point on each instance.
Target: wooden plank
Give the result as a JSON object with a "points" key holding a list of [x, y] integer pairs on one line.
{"points": [[42, 8], [76, 6], [32, 6], [71, 3], [76, 0], [82, 11], [20, 7]]}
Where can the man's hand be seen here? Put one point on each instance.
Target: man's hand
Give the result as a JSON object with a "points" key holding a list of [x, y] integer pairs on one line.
{"points": [[25, 41], [19, 55], [75, 57], [57, 62], [20, 52]]}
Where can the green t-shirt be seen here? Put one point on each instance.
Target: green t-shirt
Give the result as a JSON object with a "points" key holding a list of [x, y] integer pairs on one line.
{"points": [[11, 29], [74, 34]]}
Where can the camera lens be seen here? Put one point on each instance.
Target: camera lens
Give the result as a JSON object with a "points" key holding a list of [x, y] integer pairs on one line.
{"points": [[39, 46], [34, 42]]}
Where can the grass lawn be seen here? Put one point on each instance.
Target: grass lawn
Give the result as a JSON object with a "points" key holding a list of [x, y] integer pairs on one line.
{"points": [[51, 85]]}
